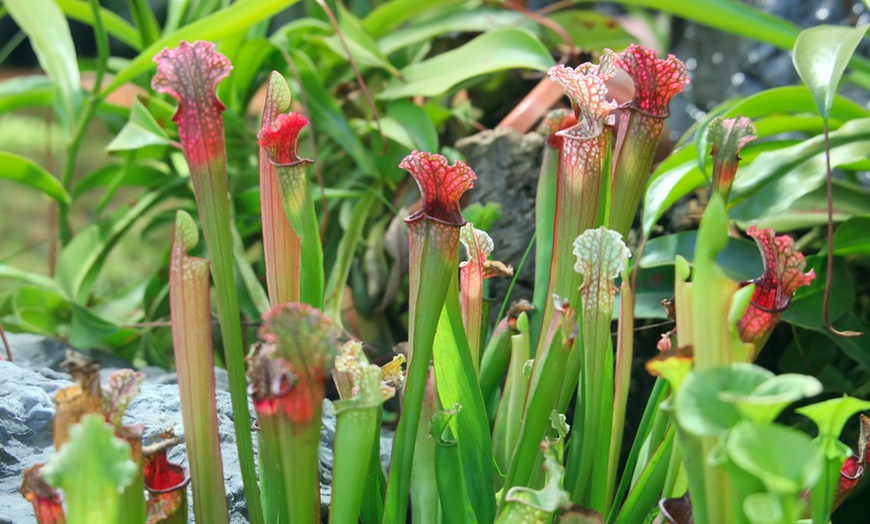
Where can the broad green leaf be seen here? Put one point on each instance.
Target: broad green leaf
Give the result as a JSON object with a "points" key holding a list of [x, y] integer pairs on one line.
{"points": [[117, 175], [409, 125], [362, 46], [589, 31], [82, 259], [27, 172], [820, 56], [14, 273], [389, 15], [786, 460], [115, 24], [851, 237], [699, 406], [775, 180], [462, 20], [41, 310], [140, 131], [92, 468], [50, 38], [213, 27], [504, 48], [740, 259], [25, 91], [482, 216], [88, 329], [769, 398], [666, 188], [327, 117], [805, 309]]}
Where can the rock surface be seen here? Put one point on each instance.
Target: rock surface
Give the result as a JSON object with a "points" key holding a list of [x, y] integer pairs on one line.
{"points": [[27, 387], [507, 166]]}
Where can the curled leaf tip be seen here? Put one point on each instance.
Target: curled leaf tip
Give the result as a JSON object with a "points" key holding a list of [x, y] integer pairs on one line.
{"points": [[585, 86], [478, 244], [180, 69], [730, 133], [281, 139], [441, 186], [656, 80], [774, 289]]}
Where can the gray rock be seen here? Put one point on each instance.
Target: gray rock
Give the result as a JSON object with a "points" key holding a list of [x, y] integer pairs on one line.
{"points": [[507, 165], [26, 425]]}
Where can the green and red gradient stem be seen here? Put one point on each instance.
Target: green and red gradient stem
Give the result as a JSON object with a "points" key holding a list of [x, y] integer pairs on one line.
{"points": [[728, 136], [288, 383], [190, 73], [639, 125], [194, 361], [433, 246], [545, 209], [280, 242], [472, 273], [583, 155], [46, 501], [281, 141]]}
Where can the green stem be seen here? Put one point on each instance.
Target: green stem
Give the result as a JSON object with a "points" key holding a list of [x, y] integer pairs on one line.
{"points": [[433, 255], [299, 207]]}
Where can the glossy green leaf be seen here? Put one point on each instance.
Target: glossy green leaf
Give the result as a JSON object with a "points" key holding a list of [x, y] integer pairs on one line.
{"points": [[88, 329], [589, 30], [81, 261], [25, 91], [389, 15], [327, 117], [213, 27], [27, 172], [463, 20], [140, 131], [740, 259], [785, 459], [47, 28], [92, 468], [851, 237], [116, 26], [119, 175], [776, 179], [409, 125], [362, 46], [806, 307], [699, 406], [40, 310], [504, 48], [820, 56]]}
